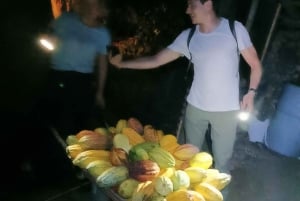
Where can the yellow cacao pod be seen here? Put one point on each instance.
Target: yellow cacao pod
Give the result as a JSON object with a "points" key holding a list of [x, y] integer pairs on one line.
{"points": [[122, 123], [169, 142], [218, 180], [97, 167], [202, 159], [85, 161], [133, 136], [184, 195], [144, 191], [99, 154], [196, 174], [72, 139], [73, 150], [167, 172], [127, 187], [163, 158], [209, 192], [185, 151]]}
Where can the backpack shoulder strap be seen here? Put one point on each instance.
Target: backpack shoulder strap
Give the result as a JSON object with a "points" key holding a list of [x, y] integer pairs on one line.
{"points": [[232, 29], [190, 35], [188, 44]]}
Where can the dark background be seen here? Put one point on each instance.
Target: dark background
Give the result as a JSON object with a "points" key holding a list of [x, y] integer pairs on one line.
{"points": [[25, 64], [29, 151]]}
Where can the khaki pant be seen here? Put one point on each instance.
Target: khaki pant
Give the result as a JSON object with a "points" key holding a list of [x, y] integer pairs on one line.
{"points": [[223, 132]]}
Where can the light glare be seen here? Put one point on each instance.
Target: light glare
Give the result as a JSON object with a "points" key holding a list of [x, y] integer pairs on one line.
{"points": [[244, 116], [47, 44]]}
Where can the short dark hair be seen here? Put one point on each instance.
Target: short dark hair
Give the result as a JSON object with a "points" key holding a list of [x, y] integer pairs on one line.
{"points": [[203, 1], [215, 5]]}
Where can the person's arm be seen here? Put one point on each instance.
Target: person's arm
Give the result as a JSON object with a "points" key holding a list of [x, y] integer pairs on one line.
{"points": [[251, 57], [164, 56], [101, 79]]}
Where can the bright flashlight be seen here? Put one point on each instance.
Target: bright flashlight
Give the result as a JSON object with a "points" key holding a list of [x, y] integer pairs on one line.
{"points": [[244, 116], [47, 44]]}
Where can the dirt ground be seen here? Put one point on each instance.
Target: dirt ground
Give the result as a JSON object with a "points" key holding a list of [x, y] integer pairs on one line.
{"points": [[259, 174]]}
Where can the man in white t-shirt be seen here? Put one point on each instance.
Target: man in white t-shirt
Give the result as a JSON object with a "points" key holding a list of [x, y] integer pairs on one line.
{"points": [[214, 95]]}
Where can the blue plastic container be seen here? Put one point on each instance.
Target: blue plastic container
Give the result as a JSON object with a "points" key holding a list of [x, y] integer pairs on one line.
{"points": [[283, 135]]}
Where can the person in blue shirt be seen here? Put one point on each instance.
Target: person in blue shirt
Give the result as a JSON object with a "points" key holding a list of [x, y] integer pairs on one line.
{"points": [[78, 66]]}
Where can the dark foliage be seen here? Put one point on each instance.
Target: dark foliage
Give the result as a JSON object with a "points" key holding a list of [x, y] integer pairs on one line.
{"points": [[145, 28]]}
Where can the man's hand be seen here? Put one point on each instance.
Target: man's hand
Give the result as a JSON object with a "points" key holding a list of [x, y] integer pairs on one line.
{"points": [[247, 103], [115, 60]]}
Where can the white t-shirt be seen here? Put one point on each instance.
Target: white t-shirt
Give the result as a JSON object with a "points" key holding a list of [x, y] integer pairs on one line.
{"points": [[215, 86]]}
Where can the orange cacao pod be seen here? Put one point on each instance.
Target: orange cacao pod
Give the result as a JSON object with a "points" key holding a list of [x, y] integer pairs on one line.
{"points": [[144, 170], [185, 151], [135, 124], [118, 156]]}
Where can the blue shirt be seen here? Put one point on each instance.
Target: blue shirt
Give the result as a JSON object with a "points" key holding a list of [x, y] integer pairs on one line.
{"points": [[77, 44]]}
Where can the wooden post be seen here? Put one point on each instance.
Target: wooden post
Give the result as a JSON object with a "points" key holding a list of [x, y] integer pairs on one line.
{"points": [[251, 14], [271, 31]]}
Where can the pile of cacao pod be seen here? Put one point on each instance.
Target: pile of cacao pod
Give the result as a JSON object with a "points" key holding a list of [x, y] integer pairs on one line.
{"points": [[142, 163]]}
